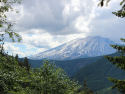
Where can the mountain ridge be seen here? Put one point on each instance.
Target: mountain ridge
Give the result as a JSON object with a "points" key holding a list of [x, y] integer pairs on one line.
{"points": [[91, 46], [97, 74]]}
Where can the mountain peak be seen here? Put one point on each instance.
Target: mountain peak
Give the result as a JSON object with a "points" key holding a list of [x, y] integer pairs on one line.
{"points": [[90, 46]]}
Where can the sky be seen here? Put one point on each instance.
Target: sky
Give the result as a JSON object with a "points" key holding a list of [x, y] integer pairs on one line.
{"points": [[45, 24]]}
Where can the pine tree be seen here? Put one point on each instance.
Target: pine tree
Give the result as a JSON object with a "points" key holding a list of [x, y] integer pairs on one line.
{"points": [[20, 63], [85, 88], [2, 51], [119, 61], [27, 64], [16, 57]]}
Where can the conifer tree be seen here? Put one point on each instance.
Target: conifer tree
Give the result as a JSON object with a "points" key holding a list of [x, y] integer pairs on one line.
{"points": [[16, 57], [2, 51], [27, 64], [85, 89], [119, 61], [20, 63]]}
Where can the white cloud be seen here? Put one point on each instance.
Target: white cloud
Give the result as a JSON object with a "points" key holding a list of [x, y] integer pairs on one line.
{"points": [[45, 24], [81, 24], [10, 47]]}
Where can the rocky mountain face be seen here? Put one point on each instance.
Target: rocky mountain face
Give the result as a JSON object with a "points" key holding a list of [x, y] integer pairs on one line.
{"points": [[91, 46]]}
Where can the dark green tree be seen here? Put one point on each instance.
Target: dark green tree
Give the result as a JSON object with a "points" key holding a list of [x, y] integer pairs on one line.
{"points": [[27, 64], [52, 80], [13, 78], [2, 52], [16, 57], [85, 89], [119, 61], [21, 63]]}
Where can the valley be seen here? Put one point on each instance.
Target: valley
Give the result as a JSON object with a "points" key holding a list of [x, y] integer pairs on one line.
{"points": [[96, 69]]}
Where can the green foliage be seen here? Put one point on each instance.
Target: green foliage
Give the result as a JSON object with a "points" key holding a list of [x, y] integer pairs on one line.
{"points": [[120, 13], [120, 62], [53, 80], [3, 9], [46, 79], [11, 75]]}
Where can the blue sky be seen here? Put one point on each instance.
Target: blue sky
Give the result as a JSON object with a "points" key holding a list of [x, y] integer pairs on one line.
{"points": [[45, 24]]}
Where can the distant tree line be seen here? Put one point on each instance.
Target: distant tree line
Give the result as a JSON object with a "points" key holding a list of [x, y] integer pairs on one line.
{"points": [[23, 63]]}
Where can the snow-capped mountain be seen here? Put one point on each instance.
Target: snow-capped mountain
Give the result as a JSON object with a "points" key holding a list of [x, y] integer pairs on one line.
{"points": [[78, 48]]}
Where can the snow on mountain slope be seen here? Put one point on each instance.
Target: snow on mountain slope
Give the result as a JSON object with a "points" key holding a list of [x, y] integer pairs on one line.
{"points": [[81, 47]]}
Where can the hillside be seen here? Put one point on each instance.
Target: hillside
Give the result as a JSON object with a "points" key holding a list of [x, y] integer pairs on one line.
{"points": [[70, 66], [97, 74]]}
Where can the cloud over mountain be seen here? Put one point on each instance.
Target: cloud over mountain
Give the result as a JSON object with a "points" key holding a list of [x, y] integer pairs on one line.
{"points": [[80, 47]]}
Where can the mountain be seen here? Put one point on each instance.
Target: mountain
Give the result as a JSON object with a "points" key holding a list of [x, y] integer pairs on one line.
{"points": [[91, 46], [97, 73]]}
